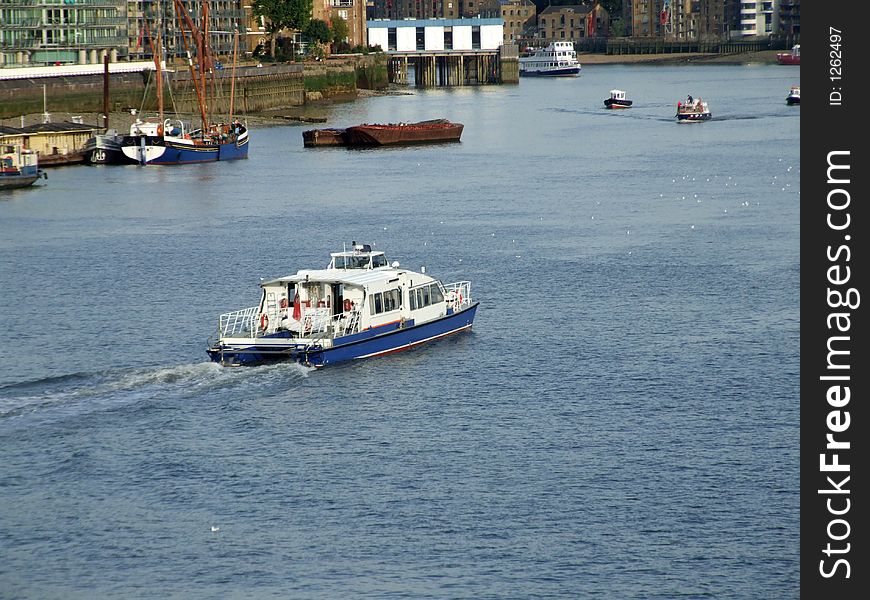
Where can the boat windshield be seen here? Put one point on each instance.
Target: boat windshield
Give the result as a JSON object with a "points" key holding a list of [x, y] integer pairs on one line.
{"points": [[358, 261]]}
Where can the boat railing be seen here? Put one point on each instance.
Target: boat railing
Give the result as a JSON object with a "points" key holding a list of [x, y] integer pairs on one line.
{"points": [[239, 323], [458, 294]]}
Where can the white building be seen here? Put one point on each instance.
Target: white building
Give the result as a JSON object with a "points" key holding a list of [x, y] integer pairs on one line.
{"points": [[435, 35], [759, 19]]}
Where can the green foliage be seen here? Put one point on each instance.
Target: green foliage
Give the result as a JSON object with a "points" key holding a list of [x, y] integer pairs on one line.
{"points": [[339, 28], [283, 14], [617, 28], [317, 31]]}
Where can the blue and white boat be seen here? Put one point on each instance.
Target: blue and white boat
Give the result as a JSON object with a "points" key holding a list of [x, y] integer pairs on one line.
{"points": [[558, 59], [172, 143], [359, 306]]}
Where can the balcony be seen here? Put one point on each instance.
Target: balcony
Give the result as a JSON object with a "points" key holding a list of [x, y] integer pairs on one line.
{"points": [[341, 3]]}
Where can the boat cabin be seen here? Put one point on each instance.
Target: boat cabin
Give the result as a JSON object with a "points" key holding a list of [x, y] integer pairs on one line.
{"points": [[358, 291], [617, 95]]}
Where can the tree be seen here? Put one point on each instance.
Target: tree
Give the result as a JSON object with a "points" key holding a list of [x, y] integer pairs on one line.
{"points": [[283, 14], [317, 31], [339, 29]]}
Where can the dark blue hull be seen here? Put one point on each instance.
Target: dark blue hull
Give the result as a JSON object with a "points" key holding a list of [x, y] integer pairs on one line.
{"points": [[566, 72], [366, 344], [182, 154]]}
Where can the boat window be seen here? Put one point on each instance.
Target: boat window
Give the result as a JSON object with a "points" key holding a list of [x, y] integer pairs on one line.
{"points": [[379, 260], [426, 296], [412, 298], [420, 298], [437, 296]]}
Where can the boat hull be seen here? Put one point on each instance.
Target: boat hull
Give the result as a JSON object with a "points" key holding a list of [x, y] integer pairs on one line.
{"points": [[793, 100], [788, 59], [380, 341], [105, 150], [19, 178], [693, 117], [417, 133], [555, 72], [9, 182], [323, 137], [614, 104], [162, 150]]}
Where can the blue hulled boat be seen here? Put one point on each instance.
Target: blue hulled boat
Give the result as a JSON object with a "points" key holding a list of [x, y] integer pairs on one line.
{"points": [[359, 306], [170, 143]]}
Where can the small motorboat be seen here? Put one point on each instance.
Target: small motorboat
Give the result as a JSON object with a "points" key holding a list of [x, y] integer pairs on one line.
{"points": [[693, 110], [794, 95], [19, 167], [617, 100]]}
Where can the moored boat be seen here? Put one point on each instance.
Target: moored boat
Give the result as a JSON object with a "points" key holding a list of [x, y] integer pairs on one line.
{"points": [[173, 143], [436, 130], [558, 59], [617, 100], [105, 149], [359, 306], [694, 110], [790, 58], [323, 137], [794, 95], [19, 167]]}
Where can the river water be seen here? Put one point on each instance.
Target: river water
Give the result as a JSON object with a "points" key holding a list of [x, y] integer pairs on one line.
{"points": [[622, 422]]}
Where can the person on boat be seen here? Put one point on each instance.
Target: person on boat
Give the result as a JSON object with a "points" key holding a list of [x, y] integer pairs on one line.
{"points": [[689, 100]]}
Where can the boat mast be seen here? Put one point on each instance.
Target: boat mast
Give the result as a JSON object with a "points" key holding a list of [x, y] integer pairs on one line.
{"points": [[158, 58], [203, 59], [233, 78], [194, 34]]}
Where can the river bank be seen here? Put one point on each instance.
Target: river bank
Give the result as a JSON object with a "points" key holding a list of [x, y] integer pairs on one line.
{"points": [[767, 57]]}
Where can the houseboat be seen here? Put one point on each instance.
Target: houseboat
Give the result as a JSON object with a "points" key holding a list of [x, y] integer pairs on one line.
{"points": [[693, 110], [105, 149], [794, 95], [359, 306], [19, 167], [617, 100], [557, 59]]}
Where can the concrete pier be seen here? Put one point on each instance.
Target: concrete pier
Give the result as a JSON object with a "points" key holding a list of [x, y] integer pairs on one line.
{"points": [[455, 68]]}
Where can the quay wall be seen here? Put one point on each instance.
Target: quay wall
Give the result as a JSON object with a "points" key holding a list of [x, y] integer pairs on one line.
{"points": [[257, 88]]}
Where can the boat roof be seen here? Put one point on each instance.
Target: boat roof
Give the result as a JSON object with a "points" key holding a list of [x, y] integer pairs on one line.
{"points": [[356, 277], [617, 91]]}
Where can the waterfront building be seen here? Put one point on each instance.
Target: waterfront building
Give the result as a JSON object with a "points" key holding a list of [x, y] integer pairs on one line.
{"points": [[519, 17], [679, 20], [47, 32], [759, 19], [408, 35], [352, 11], [571, 23]]}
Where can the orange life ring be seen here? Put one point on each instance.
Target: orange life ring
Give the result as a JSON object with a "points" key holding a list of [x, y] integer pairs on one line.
{"points": [[348, 305], [284, 303], [160, 130], [264, 321]]}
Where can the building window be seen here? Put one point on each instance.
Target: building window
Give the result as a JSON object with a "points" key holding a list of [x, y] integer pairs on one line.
{"points": [[475, 37], [391, 38], [448, 38], [421, 38]]}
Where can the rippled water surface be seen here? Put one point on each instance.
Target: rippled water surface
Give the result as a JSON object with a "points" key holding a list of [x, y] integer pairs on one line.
{"points": [[622, 422]]}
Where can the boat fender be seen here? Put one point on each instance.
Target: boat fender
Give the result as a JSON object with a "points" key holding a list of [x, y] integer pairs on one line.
{"points": [[160, 130], [284, 303], [458, 298], [348, 305], [264, 321]]}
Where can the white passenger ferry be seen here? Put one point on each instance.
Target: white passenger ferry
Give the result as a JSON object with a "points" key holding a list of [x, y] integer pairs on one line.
{"points": [[359, 306], [557, 59]]}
